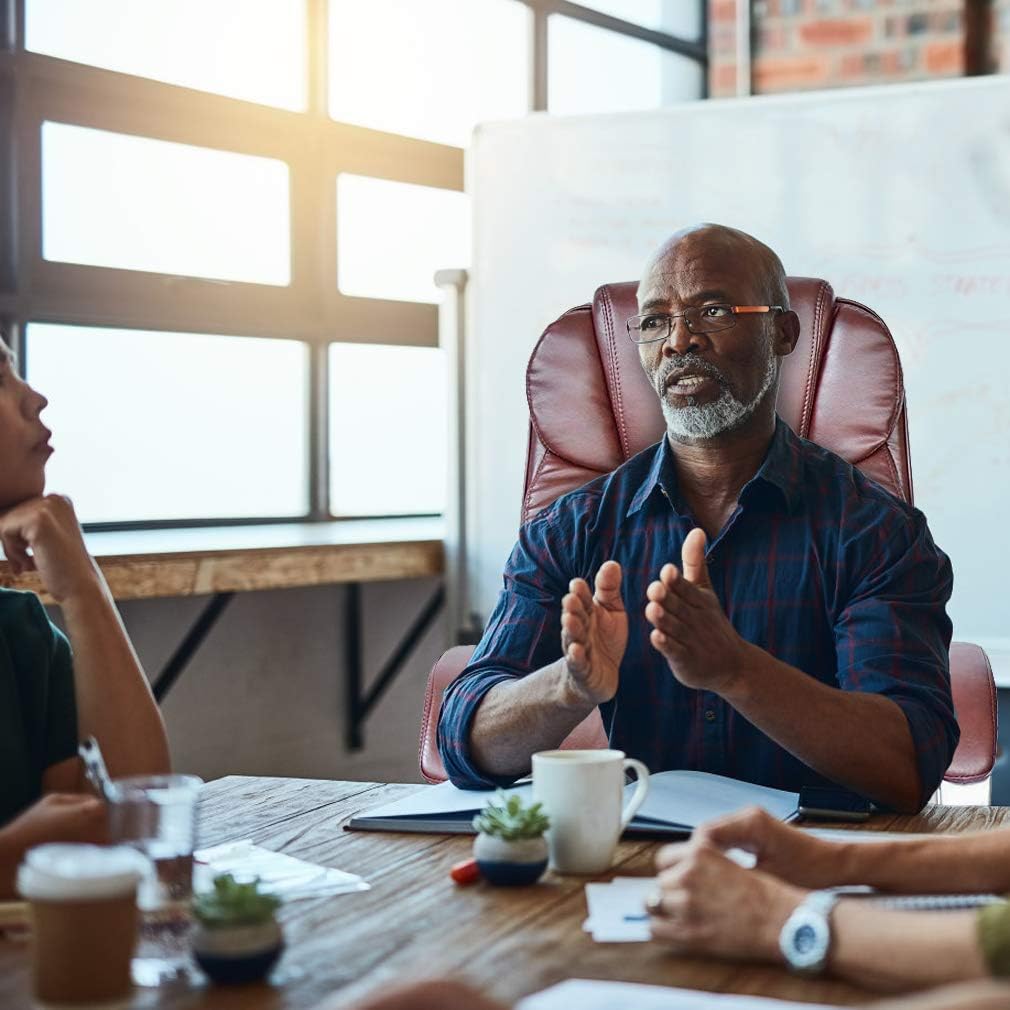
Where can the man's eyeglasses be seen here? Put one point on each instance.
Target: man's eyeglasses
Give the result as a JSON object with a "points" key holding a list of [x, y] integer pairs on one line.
{"points": [[699, 319]]}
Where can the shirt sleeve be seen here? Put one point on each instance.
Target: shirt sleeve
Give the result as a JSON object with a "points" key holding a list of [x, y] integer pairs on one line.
{"points": [[993, 923], [60, 740], [892, 637], [522, 635]]}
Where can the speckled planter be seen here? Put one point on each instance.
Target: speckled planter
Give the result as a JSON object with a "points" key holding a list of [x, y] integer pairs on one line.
{"points": [[510, 863], [238, 954]]}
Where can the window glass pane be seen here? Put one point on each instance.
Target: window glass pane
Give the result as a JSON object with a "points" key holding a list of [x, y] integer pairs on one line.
{"points": [[591, 69], [150, 425], [387, 430], [430, 70], [678, 17], [393, 236], [249, 49], [113, 200]]}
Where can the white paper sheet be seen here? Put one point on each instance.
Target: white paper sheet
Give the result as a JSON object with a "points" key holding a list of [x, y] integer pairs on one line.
{"points": [[617, 910], [592, 994], [285, 876], [691, 798], [444, 798]]}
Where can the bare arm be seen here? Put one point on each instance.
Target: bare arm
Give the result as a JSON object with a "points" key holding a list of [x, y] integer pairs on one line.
{"points": [[891, 951], [517, 718], [945, 864], [114, 701], [950, 864]]}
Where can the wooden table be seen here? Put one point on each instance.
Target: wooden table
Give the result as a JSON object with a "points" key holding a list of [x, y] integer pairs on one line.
{"points": [[416, 923]]}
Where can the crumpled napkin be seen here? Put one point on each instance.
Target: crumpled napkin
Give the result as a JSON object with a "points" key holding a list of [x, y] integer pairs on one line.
{"points": [[284, 876]]}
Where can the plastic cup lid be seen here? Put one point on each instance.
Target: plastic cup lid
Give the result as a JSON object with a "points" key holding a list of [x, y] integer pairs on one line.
{"points": [[71, 872]]}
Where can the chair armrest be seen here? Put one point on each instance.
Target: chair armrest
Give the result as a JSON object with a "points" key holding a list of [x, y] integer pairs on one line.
{"points": [[974, 693], [443, 673]]}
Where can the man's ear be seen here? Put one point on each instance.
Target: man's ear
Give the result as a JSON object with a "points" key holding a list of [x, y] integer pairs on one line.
{"points": [[787, 332]]}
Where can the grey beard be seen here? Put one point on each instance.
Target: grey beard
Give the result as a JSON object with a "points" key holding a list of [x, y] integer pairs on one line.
{"points": [[723, 414]]}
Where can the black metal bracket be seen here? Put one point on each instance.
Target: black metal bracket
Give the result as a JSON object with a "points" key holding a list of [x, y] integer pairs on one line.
{"points": [[188, 646], [359, 701]]}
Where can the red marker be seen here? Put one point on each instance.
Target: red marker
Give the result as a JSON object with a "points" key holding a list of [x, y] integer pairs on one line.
{"points": [[466, 872]]}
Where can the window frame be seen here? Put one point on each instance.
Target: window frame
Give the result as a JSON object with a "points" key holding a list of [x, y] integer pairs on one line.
{"points": [[35, 88]]}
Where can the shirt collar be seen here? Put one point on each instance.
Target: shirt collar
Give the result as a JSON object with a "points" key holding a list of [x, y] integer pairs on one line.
{"points": [[781, 469]]}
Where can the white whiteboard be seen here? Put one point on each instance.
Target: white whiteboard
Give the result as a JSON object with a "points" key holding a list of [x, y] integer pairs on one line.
{"points": [[899, 196]]}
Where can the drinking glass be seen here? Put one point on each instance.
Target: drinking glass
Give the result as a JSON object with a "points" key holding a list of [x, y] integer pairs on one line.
{"points": [[157, 814]]}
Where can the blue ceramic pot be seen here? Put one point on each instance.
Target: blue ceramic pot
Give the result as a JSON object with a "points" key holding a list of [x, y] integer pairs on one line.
{"points": [[510, 863], [238, 954]]}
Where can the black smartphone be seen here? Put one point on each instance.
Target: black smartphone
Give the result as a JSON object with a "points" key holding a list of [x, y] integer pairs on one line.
{"points": [[827, 804]]}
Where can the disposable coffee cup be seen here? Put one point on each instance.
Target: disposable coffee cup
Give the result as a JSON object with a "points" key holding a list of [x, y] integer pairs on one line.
{"points": [[83, 904]]}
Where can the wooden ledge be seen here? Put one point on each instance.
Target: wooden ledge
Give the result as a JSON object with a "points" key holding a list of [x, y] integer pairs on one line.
{"points": [[191, 562]]}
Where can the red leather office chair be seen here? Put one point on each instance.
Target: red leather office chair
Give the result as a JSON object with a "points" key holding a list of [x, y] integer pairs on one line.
{"points": [[591, 408]]}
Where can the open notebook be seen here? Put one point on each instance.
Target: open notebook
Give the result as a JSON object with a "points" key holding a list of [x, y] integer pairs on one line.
{"points": [[678, 801]]}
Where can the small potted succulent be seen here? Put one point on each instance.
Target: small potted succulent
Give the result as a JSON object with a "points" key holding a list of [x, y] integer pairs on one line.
{"points": [[237, 937], [510, 847]]}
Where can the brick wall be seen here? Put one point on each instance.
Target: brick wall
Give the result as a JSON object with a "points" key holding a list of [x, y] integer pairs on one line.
{"points": [[803, 44]]}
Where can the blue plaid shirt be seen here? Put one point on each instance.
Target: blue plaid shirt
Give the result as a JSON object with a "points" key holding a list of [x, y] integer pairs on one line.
{"points": [[818, 565]]}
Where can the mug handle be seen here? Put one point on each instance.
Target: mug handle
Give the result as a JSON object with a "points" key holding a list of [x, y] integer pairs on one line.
{"points": [[638, 796]]}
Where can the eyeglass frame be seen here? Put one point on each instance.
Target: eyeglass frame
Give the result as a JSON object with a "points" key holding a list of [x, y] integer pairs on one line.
{"points": [[737, 310]]}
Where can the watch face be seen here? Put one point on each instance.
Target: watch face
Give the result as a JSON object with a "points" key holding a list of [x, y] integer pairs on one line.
{"points": [[805, 940]]}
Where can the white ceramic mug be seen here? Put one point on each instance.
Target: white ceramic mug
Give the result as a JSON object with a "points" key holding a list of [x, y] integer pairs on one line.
{"points": [[581, 792]]}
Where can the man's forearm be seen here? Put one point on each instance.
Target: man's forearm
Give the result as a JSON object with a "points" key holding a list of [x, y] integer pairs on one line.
{"points": [[891, 951], [114, 701], [857, 739], [517, 718]]}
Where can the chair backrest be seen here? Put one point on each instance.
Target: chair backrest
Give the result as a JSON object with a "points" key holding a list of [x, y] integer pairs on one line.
{"points": [[592, 408]]}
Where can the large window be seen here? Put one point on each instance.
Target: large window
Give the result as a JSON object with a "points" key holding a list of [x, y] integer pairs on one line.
{"points": [[220, 220], [112, 200], [249, 49], [232, 449]]}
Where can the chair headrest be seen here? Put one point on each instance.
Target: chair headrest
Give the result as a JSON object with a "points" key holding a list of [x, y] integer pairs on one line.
{"points": [[591, 404]]}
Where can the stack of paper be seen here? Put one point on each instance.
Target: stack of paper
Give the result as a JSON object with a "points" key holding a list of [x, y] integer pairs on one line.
{"points": [[617, 911], [284, 876]]}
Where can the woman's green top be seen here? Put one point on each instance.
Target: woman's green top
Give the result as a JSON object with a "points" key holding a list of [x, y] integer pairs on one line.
{"points": [[994, 937], [38, 709]]}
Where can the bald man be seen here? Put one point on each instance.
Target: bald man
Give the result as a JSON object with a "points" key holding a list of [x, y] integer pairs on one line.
{"points": [[734, 599]]}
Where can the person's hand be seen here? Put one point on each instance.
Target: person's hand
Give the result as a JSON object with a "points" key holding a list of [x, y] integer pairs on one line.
{"points": [[59, 817], [689, 628], [789, 853], [709, 905], [594, 634], [48, 528], [440, 994]]}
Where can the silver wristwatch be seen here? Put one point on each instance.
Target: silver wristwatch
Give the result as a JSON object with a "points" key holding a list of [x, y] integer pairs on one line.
{"points": [[806, 936]]}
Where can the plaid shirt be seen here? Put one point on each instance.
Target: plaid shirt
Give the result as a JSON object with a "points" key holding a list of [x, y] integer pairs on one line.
{"points": [[818, 565]]}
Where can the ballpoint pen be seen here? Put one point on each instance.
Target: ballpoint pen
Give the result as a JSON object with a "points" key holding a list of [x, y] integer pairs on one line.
{"points": [[94, 768]]}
